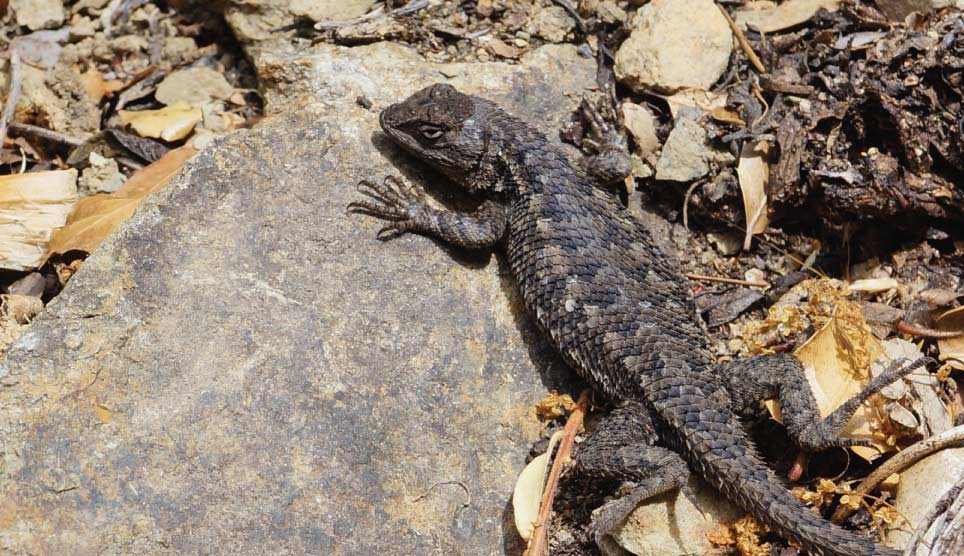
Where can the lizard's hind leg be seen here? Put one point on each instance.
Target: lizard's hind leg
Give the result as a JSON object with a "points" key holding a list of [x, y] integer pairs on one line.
{"points": [[622, 448], [754, 379]]}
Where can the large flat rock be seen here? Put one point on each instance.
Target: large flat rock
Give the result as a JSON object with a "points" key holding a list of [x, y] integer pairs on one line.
{"points": [[244, 369]]}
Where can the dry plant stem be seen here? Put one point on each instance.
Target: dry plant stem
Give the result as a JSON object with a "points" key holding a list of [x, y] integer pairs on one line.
{"points": [[724, 280], [540, 543], [744, 44], [16, 80], [44, 133], [900, 462], [921, 332], [686, 203]]}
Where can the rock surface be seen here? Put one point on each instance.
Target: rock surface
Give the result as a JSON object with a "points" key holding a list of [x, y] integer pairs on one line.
{"points": [[243, 369], [920, 487], [675, 44], [38, 14], [686, 156], [670, 525]]}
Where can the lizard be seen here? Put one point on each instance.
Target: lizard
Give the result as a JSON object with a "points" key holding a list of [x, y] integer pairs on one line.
{"points": [[618, 310]]}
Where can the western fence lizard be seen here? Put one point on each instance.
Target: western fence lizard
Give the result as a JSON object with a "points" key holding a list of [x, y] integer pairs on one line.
{"points": [[618, 310]]}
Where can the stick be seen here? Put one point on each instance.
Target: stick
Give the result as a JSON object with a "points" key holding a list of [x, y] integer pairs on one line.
{"points": [[901, 461], [16, 80], [920, 331], [539, 543], [44, 133], [744, 44], [724, 280]]}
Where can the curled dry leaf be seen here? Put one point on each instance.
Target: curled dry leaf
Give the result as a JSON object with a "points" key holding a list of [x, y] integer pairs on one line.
{"points": [[833, 359], [32, 206], [913, 405], [783, 16], [952, 349], [527, 495], [95, 217], [170, 124], [754, 172]]}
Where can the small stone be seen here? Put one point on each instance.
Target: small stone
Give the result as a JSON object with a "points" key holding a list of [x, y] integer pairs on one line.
{"points": [[501, 49], [897, 10], [81, 27], [670, 524], [675, 44], [31, 285], [686, 155], [610, 13], [90, 5], [551, 23], [194, 86], [38, 14], [178, 50], [330, 10], [726, 243], [102, 176]]}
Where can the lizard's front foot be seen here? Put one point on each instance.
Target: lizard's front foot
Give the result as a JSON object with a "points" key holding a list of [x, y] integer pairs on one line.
{"points": [[393, 200]]}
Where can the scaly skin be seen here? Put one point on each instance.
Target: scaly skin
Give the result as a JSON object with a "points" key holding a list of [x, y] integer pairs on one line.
{"points": [[611, 301]]}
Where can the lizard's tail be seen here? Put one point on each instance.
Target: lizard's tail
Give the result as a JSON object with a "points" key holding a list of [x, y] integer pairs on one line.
{"points": [[730, 463]]}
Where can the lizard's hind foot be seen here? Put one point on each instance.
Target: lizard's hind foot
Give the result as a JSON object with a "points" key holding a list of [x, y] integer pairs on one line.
{"points": [[754, 379], [621, 447]]}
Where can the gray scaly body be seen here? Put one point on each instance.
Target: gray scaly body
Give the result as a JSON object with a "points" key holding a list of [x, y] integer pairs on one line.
{"points": [[617, 309]]}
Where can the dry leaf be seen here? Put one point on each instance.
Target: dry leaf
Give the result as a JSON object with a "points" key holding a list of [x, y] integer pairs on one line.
{"points": [[527, 495], [170, 124], [952, 349], [693, 98], [95, 217], [641, 123], [873, 285], [32, 206], [95, 85], [103, 412], [783, 16], [725, 115], [753, 172], [832, 359]]}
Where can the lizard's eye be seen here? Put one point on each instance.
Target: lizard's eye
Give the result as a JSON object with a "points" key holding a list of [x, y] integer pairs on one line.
{"points": [[430, 132]]}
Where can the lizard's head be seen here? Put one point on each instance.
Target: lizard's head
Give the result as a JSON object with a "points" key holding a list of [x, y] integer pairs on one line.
{"points": [[449, 130]]}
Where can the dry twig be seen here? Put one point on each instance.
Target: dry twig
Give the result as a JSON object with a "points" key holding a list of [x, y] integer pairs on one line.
{"points": [[744, 44], [539, 543], [724, 280], [16, 81], [901, 461]]}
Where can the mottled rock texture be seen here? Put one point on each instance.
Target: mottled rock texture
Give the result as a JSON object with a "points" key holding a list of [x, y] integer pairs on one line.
{"points": [[244, 369]]}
